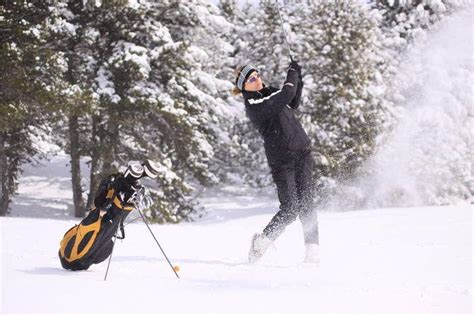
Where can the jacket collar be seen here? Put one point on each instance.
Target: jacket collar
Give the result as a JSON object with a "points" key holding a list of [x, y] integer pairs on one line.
{"points": [[255, 94]]}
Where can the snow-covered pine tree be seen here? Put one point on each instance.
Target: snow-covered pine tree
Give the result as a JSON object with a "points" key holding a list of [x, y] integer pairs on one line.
{"points": [[200, 28], [157, 95], [27, 84], [71, 36], [125, 81], [137, 117]]}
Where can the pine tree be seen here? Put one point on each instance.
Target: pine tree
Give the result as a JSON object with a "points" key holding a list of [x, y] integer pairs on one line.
{"points": [[154, 93], [26, 88], [194, 104], [72, 38], [136, 117]]}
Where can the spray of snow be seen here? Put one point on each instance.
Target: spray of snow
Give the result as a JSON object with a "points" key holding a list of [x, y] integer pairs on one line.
{"points": [[426, 159]]}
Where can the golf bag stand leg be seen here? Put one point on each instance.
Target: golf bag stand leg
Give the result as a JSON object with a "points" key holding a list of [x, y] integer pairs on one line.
{"points": [[157, 243]]}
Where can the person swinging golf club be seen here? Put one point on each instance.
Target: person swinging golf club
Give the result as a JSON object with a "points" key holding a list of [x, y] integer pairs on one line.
{"points": [[288, 152]]}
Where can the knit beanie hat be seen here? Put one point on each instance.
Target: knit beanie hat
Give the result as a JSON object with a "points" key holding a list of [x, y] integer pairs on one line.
{"points": [[244, 75]]}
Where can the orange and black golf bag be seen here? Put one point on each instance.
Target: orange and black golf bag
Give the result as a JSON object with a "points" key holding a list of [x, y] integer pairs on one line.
{"points": [[90, 242]]}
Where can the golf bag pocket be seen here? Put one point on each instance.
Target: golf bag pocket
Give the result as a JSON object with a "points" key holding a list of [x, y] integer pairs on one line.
{"points": [[84, 243]]}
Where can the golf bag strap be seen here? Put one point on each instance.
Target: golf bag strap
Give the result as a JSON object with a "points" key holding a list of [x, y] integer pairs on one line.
{"points": [[122, 231]]}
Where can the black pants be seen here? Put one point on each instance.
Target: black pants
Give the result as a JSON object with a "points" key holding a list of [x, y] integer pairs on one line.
{"points": [[294, 182]]}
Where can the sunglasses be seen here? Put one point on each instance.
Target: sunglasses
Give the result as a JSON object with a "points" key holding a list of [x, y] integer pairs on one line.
{"points": [[253, 78]]}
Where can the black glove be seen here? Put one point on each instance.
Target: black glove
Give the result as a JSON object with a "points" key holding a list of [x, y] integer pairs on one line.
{"points": [[300, 84], [296, 66]]}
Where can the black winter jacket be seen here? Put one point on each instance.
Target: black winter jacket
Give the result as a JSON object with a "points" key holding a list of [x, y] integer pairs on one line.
{"points": [[271, 111]]}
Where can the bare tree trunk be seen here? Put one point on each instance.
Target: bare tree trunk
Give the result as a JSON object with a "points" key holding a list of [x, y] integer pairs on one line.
{"points": [[4, 187], [94, 182], [79, 209], [95, 159], [110, 153]]}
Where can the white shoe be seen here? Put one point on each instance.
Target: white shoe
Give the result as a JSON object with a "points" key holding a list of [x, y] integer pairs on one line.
{"points": [[258, 247], [312, 254]]}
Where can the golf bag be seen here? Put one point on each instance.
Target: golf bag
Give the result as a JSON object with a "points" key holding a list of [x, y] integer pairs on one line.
{"points": [[90, 242]]}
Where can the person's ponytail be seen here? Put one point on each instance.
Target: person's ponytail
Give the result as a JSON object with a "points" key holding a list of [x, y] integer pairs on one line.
{"points": [[236, 91]]}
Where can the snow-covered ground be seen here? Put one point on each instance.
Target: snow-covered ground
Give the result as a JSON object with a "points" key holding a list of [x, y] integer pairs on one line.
{"points": [[395, 260]]}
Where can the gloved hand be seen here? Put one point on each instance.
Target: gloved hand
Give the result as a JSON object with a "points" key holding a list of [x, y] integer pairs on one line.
{"points": [[301, 83], [296, 66]]}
